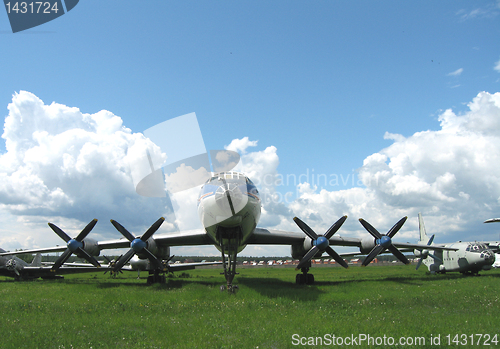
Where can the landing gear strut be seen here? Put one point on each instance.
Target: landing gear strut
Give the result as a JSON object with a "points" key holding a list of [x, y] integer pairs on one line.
{"points": [[155, 277], [304, 278], [229, 264]]}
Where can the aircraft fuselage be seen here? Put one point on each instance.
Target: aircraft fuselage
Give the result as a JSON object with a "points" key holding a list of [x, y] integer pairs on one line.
{"points": [[229, 208], [469, 257]]}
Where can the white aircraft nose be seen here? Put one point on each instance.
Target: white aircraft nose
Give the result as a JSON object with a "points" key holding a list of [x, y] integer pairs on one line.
{"points": [[488, 256], [228, 197]]}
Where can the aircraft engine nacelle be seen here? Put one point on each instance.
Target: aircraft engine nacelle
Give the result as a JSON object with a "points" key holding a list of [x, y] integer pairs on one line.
{"points": [[299, 251], [12, 265], [421, 253], [367, 244], [91, 247], [139, 264], [163, 252], [151, 246]]}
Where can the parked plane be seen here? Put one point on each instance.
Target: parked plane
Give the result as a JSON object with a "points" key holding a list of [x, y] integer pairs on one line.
{"points": [[466, 258], [494, 245], [229, 207], [21, 270]]}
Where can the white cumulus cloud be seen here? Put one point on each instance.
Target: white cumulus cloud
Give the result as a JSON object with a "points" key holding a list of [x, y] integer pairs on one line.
{"points": [[65, 165]]}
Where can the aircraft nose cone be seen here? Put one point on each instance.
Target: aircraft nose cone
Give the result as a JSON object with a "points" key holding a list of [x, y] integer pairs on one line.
{"points": [[385, 241], [138, 245], [74, 245], [488, 255], [321, 242], [11, 264]]}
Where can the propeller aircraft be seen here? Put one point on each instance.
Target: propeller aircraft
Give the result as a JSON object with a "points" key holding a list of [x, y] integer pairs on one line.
{"points": [[464, 257], [229, 207]]}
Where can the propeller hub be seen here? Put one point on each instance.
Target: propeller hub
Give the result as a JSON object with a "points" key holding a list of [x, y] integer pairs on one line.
{"points": [[74, 245], [138, 245], [11, 264], [385, 241], [321, 242]]}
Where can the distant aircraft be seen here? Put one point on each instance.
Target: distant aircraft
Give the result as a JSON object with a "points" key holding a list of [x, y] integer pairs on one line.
{"points": [[229, 207], [494, 245], [466, 258], [20, 270]]}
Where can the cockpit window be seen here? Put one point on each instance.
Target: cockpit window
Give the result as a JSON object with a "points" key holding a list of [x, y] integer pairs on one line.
{"points": [[476, 247], [229, 177]]}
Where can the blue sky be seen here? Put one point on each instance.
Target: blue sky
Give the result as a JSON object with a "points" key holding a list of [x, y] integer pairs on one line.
{"points": [[322, 81]]}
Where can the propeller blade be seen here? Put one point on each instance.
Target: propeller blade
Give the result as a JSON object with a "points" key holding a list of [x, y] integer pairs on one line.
{"points": [[418, 263], [122, 230], [123, 260], [74, 245], [59, 232], [305, 228], [396, 227], [337, 258], [373, 253], [88, 257], [384, 241], [308, 256], [86, 230], [333, 229], [398, 254], [60, 261], [156, 225], [370, 229], [153, 259], [436, 258]]}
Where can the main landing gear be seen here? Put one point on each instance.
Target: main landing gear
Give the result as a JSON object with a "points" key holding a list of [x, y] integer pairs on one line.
{"points": [[156, 277], [229, 238], [304, 278], [229, 263]]}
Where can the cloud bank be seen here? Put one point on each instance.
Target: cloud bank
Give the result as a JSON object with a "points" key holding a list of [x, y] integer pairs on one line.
{"points": [[66, 166]]}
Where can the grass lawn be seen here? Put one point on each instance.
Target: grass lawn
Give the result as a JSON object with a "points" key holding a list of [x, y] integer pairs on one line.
{"points": [[269, 311]]}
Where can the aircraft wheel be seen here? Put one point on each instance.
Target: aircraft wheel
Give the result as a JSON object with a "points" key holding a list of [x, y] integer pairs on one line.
{"points": [[310, 279], [299, 279], [222, 288]]}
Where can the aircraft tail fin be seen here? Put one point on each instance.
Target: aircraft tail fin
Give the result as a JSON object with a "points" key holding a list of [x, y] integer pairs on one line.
{"points": [[37, 261], [421, 227]]}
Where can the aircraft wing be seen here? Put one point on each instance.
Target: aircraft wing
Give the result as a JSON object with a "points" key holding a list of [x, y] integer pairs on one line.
{"points": [[280, 237], [178, 238], [406, 245], [37, 250], [62, 270], [262, 236], [183, 238], [187, 266], [493, 245]]}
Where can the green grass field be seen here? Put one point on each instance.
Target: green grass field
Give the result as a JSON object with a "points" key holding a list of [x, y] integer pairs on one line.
{"points": [[269, 311]]}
